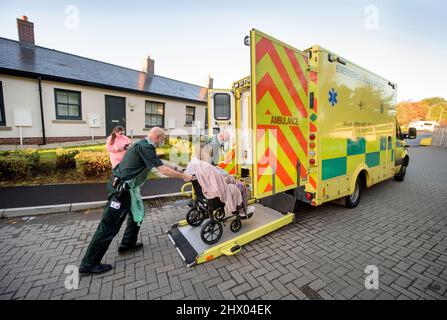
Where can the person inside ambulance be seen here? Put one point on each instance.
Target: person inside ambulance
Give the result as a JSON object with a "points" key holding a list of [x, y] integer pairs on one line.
{"points": [[124, 199], [218, 142]]}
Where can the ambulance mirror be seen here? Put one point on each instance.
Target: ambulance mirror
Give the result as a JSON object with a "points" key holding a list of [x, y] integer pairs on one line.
{"points": [[412, 133]]}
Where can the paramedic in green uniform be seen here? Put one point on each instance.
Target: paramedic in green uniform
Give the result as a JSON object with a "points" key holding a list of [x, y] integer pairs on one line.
{"points": [[139, 159]]}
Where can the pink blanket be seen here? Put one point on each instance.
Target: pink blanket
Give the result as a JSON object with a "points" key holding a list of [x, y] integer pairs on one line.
{"points": [[213, 185]]}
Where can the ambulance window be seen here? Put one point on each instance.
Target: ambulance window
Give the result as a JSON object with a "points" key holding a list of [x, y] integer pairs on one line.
{"points": [[222, 106]]}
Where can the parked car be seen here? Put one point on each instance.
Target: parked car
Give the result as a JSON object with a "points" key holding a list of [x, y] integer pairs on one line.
{"points": [[424, 125]]}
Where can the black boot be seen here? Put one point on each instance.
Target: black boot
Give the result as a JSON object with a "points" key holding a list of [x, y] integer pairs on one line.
{"points": [[123, 248], [97, 269]]}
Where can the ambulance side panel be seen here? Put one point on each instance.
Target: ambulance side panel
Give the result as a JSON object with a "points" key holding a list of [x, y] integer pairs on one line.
{"points": [[356, 128]]}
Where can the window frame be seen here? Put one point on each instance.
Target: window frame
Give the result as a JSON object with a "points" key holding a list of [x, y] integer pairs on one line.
{"points": [[193, 115], [163, 104], [59, 117], [2, 107]]}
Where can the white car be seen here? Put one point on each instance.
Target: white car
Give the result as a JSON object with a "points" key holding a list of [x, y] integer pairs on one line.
{"points": [[423, 125]]}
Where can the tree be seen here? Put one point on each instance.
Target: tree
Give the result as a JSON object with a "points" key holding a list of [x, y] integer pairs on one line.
{"points": [[408, 111], [437, 109], [431, 109]]}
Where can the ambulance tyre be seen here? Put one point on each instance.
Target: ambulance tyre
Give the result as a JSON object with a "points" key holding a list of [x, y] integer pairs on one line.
{"points": [[353, 200], [194, 217], [401, 175], [211, 232]]}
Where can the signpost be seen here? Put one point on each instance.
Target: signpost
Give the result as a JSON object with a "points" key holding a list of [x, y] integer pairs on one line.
{"points": [[22, 118], [94, 122]]}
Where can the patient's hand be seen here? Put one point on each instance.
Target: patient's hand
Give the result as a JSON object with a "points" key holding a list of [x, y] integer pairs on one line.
{"points": [[187, 177]]}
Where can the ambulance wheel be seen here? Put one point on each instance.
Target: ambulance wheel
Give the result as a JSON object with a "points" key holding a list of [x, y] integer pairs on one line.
{"points": [[236, 225], [401, 175], [211, 232], [194, 217], [353, 200]]}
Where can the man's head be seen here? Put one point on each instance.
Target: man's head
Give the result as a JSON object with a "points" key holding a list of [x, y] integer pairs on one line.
{"points": [[157, 135], [223, 136]]}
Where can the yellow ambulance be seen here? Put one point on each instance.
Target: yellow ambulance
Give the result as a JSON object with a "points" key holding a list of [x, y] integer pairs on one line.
{"points": [[305, 126]]}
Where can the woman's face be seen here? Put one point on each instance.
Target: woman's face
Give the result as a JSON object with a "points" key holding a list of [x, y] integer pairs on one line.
{"points": [[119, 133]]}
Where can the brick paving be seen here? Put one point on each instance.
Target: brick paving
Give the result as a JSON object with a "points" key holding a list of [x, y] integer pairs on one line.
{"points": [[399, 227]]}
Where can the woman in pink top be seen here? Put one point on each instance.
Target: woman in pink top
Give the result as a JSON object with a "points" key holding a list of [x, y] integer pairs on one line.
{"points": [[117, 144]]}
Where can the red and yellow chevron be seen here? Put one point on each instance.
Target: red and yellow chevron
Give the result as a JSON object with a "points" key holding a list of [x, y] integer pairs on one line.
{"points": [[281, 114], [229, 161], [313, 126]]}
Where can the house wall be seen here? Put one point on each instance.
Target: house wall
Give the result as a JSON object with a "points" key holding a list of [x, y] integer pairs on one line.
{"points": [[21, 92]]}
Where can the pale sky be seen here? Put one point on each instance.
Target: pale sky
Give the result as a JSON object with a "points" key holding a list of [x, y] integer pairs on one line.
{"points": [[406, 42]]}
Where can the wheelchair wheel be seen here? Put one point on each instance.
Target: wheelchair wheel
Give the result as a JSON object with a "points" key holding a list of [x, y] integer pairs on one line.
{"points": [[236, 225], [220, 214], [194, 217], [211, 232]]}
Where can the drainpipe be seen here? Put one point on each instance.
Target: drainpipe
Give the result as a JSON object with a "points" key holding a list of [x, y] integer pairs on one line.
{"points": [[41, 111]]}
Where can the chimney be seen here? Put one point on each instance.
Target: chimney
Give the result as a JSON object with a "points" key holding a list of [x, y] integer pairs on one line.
{"points": [[26, 30], [210, 82], [149, 68]]}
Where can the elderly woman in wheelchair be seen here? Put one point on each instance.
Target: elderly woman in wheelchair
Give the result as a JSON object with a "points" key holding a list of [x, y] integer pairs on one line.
{"points": [[218, 197]]}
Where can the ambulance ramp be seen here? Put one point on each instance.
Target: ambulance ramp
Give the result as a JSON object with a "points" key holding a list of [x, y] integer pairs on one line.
{"points": [[193, 250]]}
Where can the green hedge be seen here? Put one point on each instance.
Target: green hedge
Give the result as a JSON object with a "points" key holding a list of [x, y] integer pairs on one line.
{"points": [[93, 164], [18, 164], [65, 158]]}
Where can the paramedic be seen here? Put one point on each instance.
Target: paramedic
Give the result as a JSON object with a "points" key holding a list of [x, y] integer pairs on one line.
{"points": [[132, 172]]}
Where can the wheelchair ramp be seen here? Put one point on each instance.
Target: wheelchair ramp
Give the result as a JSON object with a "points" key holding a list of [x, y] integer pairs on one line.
{"points": [[193, 250]]}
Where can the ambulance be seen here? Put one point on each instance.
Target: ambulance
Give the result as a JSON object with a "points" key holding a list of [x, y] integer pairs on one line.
{"points": [[305, 127]]}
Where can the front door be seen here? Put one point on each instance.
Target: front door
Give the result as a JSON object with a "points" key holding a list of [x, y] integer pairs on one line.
{"points": [[115, 113], [279, 84]]}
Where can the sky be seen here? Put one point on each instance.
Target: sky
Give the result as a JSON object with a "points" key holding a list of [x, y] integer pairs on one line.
{"points": [[403, 41]]}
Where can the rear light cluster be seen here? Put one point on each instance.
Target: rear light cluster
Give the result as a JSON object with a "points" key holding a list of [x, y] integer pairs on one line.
{"points": [[312, 138]]}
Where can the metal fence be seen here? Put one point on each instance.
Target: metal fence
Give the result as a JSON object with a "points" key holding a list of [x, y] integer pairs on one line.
{"points": [[440, 137]]}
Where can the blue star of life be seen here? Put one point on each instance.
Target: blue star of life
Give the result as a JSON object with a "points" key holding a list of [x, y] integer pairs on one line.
{"points": [[333, 97]]}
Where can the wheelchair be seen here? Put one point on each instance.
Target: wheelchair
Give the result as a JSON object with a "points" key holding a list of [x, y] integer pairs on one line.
{"points": [[213, 209]]}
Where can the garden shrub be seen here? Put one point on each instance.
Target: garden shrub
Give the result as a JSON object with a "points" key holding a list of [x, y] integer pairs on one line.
{"points": [[65, 158], [18, 164], [93, 164], [13, 167]]}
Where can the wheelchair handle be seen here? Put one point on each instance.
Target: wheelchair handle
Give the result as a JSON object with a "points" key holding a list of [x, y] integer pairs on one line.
{"points": [[182, 190]]}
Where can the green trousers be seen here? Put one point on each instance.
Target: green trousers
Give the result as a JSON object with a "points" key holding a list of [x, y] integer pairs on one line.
{"points": [[109, 226]]}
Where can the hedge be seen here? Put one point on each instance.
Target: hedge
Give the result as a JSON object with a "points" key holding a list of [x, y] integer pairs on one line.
{"points": [[93, 164], [18, 164], [65, 158]]}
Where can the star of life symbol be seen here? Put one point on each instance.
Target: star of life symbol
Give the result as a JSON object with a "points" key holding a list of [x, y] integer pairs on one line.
{"points": [[333, 97]]}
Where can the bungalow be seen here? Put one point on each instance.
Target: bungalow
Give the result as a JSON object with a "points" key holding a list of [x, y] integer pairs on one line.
{"points": [[49, 96]]}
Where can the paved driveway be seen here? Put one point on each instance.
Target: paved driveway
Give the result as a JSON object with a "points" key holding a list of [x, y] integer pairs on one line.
{"points": [[399, 227]]}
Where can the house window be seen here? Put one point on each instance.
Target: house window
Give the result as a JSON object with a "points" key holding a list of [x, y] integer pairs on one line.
{"points": [[68, 104], [2, 108], [190, 114], [206, 118], [155, 114]]}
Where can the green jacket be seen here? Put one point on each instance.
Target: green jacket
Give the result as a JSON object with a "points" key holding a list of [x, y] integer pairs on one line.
{"points": [[137, 162]]}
